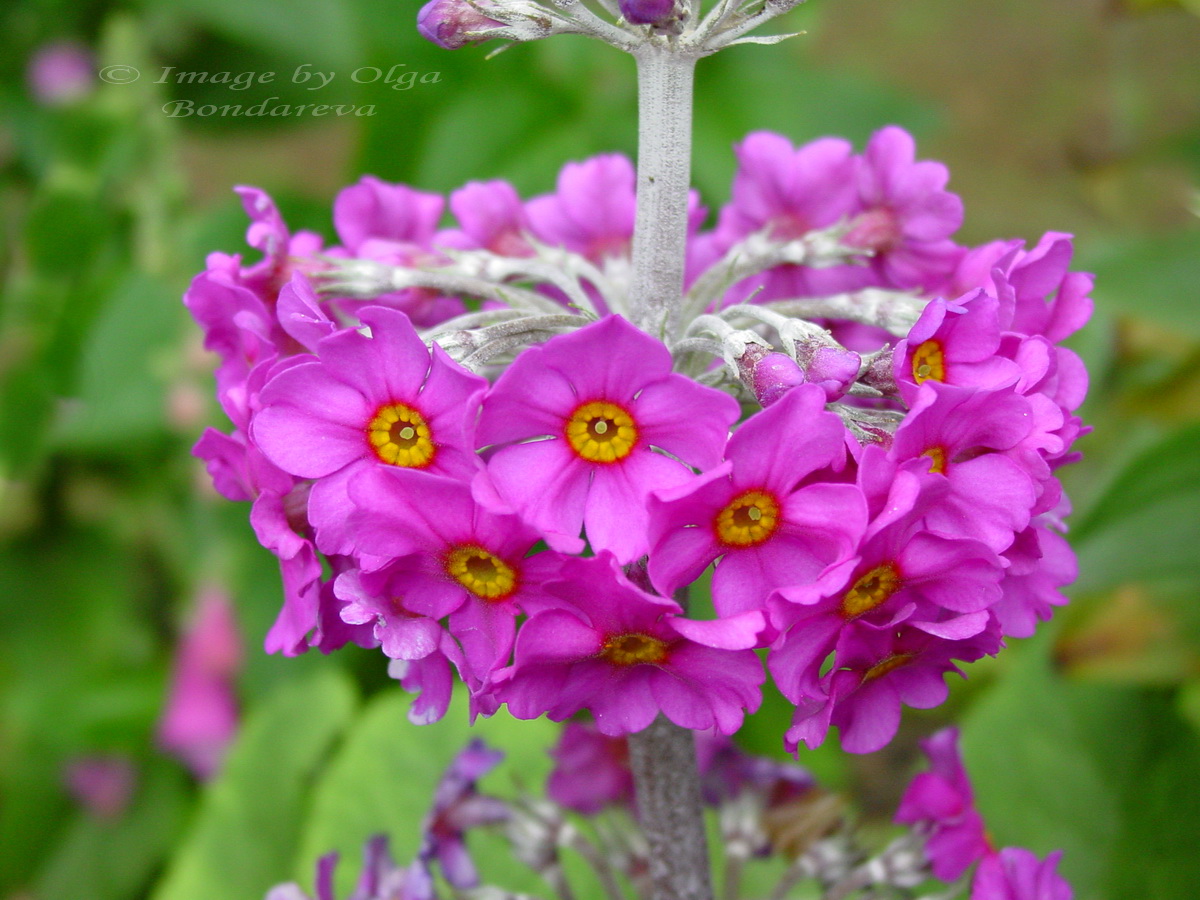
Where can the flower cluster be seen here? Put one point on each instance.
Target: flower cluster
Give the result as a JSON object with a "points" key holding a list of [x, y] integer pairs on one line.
{"points": [[462, 451], [765, 808]]}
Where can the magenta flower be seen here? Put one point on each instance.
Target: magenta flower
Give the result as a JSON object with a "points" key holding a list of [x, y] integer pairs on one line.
{"points": [[592, 210], [1040, 561], [956, 343], [627, 656], [1017, 874], [61, 73], [580, 423], [759, 512], [380, 879], [977, 441], [786, 192], [450, 556], [367, 402], [901, 575], [876, 673], [491, 217], [907, 216], [942, 803], [591, 770]]}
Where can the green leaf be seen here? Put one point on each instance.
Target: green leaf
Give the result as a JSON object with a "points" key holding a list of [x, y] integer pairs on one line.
{"points": [[312, 31], [113, 860], [121, 395], [1060, 764], [244, 838], [1147, 524], [1152, 277], [382, 780]]}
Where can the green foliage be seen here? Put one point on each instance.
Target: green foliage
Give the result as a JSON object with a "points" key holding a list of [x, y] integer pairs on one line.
{"points": [[249, 821]]}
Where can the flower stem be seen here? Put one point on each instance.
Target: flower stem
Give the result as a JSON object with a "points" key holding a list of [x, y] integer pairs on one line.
{"points": [[665, 76], [663, 758]]}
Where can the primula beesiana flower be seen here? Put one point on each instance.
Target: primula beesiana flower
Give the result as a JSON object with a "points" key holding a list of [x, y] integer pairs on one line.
{"points": [[579, 423], [1017, 874], [907, 217], [450, 556], [491, 217], [367, 401], [591, 770], [380, 879], [955, 343], [627, 656], [756, 511], [875, 673], [942, 803]]}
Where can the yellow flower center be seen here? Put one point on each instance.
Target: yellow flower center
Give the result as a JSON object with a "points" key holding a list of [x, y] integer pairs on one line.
{"points": [[400, 436], [870, 590], [884, 666], [938, 455], [482, 573], [928, 363], [631, 649], [601, 432], [748, 519]]}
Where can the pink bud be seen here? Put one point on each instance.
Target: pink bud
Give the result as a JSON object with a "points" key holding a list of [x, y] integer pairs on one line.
{"points": [[647, 12], [61, 73], [454, 23], [774, 375]]}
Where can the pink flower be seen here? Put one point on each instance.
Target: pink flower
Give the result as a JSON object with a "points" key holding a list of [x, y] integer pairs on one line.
{"points": [[627, 656], [760, 512], [367, 402], [581, 425], [942, 803], [1017, 874]]}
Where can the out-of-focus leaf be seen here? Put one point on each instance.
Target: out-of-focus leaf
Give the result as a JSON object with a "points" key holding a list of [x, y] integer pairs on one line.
{"points": [[312, 31], [1051, 760], [114, 860], [244, 839], [1155, 852], [1147, 524], [382, 780], [1156, 277], [121, 391]]}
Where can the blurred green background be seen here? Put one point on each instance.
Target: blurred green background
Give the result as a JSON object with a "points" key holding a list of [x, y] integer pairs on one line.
{"points": [[1072, 115]]}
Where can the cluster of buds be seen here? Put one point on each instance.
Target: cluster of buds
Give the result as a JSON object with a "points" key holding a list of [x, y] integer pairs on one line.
{"points": [[463, 452], [768, 811], [622, 23]]}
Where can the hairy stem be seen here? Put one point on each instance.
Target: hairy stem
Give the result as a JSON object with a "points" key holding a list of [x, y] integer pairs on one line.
{"points": [[663, 175], [663, 758]]}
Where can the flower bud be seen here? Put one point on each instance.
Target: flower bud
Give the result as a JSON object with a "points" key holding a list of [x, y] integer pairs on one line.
{"points": [[454, 23], [647, 12], [769, 376], [833, 368]]}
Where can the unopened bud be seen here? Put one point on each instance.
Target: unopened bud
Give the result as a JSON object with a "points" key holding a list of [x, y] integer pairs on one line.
{"points": [[770, 375], [833, 368], [647, 12], [455, 23]]}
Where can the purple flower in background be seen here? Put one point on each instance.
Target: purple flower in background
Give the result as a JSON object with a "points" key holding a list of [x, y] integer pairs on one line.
{"points": [[380, 879], [458, 807], [491, 217], [453, 24], [61, 73], [591, 770], [103, 785], [579, 424], [907, 216], [942, 803], [201, 714], [1017, 874]]}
